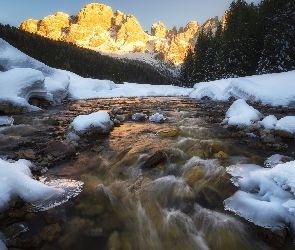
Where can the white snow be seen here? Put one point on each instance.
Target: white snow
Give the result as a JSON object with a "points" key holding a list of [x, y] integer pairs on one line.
{"points": [[240, 113], [274, 89], [16, 181], [99, 119], [157, 118], [286, 124], [266, 195], [269, 122]]}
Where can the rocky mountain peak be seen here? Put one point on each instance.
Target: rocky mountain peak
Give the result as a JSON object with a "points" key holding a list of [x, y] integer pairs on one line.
{"points": [[158, 30], [97, 27]]}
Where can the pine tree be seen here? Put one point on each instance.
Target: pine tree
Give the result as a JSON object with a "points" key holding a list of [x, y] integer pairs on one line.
{"points": [[278, 18], [186, 76], [241, 44]]}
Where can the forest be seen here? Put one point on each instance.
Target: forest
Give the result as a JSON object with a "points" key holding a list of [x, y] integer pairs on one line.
{"points": [[84, 62], [256, 39]]}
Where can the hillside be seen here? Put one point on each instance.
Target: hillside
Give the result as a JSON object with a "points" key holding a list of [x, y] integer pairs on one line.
{"points": [[85, 62]]}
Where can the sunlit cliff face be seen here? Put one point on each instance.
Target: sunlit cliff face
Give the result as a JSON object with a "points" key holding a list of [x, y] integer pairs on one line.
{"points": [[97, 27]]}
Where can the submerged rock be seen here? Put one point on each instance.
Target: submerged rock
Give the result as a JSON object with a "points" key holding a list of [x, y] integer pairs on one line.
{"points": [[171, 132], [154, 160], [50, 232], [58, 149]]}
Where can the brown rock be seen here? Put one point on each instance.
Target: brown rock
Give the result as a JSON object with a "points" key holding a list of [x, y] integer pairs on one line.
{"points": [[50, 232], [154, 160], [58, 149], [23, 154], [275, 239], [30, 243]]}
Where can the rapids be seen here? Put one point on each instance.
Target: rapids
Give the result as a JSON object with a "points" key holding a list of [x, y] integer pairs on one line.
{"points": [[175, 204]]}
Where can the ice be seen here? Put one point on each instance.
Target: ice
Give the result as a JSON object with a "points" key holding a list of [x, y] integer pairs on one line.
{"points": [[274, 160], [16, 181], [240, 113], [157, 118], [266, 195], [2, 245], [100, 119], [6, 120], [269, 122]]}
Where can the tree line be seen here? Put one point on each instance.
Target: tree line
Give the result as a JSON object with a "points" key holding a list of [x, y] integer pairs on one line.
{"points": [[256, 39], [84, 62]]}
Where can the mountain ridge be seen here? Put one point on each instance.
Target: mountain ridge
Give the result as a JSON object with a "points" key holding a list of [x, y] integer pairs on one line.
{"points": [[98, 28]]}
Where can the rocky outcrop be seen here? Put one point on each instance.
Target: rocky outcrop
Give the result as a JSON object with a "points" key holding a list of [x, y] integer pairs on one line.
{"points": [[158, 30], [97, 27]]}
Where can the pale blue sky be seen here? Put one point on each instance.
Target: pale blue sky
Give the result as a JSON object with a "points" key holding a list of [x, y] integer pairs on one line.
{"points": [[170, 12]]}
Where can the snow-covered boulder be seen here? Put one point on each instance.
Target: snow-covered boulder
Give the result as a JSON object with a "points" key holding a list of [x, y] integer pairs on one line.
{"points": [[56, 81], [18, 86], [266, 196], [269, 122], [240, 113], [16, 181], [286, 126], [157, 118], [95, 123]]}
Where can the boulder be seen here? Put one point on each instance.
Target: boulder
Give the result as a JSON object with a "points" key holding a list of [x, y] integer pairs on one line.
{"points": [[59, 149], [154, 160]]}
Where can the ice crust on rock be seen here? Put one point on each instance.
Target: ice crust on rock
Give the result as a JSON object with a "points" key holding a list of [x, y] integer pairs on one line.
{"points": [[6, 120], [99, 121], [157, 118], [16, 181], [240, 113], [266, 196]]}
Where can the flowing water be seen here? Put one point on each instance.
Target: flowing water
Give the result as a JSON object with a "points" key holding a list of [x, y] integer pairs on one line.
{"points": [[174, 204]]}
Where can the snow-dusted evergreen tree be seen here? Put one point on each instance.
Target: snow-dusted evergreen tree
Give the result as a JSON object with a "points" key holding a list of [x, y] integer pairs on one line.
{"points": [[187, 72], [241, 43], [206, 52], [278, 54]]}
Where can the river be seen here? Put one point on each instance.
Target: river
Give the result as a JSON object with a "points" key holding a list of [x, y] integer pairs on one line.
{"points": [[146, 185]]}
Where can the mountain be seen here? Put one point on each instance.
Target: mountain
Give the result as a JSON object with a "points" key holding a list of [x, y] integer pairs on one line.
{"points": [[98, 28]]}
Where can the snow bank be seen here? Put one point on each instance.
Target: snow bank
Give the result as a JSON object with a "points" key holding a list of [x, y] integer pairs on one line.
{"points": [[266, 195], [98, 122], [16, 181], [274, 89], [12, 58], [89, 88], [240, 113], [19, 85]]}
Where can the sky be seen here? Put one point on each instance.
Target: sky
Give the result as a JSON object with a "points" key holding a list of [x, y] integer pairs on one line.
{"points": [[170, 12]]}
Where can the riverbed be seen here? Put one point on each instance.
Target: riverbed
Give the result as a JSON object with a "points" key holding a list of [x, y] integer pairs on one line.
{"points": [[147, 185]]}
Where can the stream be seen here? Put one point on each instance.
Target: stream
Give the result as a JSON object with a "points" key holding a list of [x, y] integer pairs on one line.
{"points": [[147, 185]]}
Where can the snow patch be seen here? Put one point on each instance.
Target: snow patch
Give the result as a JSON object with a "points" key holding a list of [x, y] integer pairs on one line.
{"points": [[240, 113], [16, 181], [266, 195]]}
